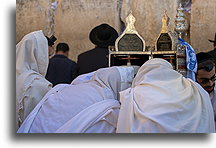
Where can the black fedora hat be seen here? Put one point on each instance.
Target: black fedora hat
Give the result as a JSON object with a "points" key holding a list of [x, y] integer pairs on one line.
{"points": [[103, 35], [202, 57], [212, 53], [213, 41]]}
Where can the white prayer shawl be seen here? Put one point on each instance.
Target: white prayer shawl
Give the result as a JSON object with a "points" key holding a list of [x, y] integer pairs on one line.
{"points": [[162, 101], [82, 78], [86, 107], [31, 66]]}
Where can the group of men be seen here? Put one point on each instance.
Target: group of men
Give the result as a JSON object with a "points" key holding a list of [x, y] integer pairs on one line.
{"points": [[95, 99], [32, 68], [63, 70]]}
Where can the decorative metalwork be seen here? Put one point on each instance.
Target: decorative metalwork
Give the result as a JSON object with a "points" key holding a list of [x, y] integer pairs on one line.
{"points": [[181, 23], [165, 41], [181, 59], [130, 47], [130, 40], [130, 20]]}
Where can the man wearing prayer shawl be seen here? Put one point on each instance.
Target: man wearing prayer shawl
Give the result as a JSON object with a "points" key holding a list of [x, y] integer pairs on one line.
{"points": [[88, 105], [31, 66], [161, 100]]}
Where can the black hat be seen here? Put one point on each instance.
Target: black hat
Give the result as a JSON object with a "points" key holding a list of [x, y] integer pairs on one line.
{"points": [[212, 53], [205, 61], [103, 35], [51, 40], [202, 57], [214, 41]]}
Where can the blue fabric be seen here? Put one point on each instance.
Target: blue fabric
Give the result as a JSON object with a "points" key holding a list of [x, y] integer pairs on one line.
{"points": [[191, 60]]}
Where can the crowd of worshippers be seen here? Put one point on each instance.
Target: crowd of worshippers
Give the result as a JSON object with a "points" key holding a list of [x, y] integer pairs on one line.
{"points": [[58, 95]]}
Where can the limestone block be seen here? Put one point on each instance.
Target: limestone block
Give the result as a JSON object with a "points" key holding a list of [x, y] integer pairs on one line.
{"points": [[202, 24], [31, 15], [75, 19], [71, 22]]}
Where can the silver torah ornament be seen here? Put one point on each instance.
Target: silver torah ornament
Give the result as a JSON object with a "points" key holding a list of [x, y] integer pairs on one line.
{"points": [[181, 23]]}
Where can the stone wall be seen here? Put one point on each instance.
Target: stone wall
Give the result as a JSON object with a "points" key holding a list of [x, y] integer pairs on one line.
{"points": [[31, 15], [202, 24], [73, 19]]}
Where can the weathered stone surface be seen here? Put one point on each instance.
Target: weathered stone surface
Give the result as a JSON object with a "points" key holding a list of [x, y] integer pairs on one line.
{"points": [[202, 24], [31, 15], [72, 20], [75, 19]]}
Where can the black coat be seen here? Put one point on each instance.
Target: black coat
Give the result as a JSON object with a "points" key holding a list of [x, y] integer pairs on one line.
{"points": [[61, 70], [92, 60]]}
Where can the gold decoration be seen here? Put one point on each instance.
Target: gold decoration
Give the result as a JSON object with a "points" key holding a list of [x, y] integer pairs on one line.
{"points": [[165, 30], [165, 21], [130, 29]]}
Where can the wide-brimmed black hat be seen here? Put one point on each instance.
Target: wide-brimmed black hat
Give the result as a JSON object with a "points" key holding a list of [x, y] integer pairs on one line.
{"points": [[103, 35], [202, 57], [212, 53], [214, 41], [51, 40], [205, 61]]}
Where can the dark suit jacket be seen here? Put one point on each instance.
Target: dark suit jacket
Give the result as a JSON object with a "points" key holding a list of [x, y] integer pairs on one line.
{"points": [[92, 60], [61, 70]]}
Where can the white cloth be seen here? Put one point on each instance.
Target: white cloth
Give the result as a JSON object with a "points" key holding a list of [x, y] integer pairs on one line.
{"points": [[31, 66], [162, 101], [83, 78], [89, 106]]}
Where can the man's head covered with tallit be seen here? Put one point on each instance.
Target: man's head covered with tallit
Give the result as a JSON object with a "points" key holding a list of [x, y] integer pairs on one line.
{"points": [[31, 66], [161, 100], [88, 105]]}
